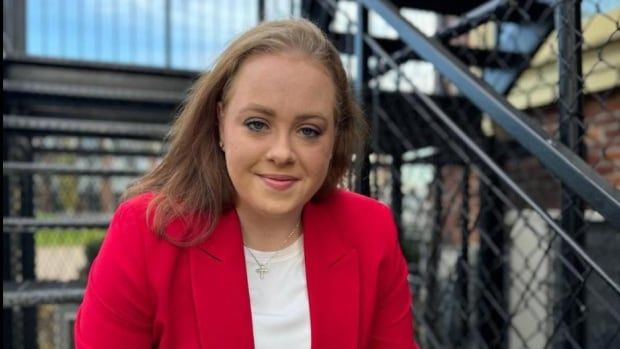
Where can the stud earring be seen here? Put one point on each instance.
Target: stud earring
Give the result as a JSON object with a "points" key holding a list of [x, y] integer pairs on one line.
{"points": [[222, 146]]}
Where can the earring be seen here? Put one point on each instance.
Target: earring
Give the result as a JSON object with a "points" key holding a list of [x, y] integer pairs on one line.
{"points": [[222, 146]]}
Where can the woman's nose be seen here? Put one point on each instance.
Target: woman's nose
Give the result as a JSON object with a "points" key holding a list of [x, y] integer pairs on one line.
{"points": [[280, 150]]}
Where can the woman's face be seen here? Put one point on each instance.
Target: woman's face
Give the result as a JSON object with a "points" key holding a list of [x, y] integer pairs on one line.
{"points": [[278, 132]]}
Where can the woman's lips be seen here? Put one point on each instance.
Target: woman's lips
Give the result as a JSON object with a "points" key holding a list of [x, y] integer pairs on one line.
{"points": [[278, 182]]}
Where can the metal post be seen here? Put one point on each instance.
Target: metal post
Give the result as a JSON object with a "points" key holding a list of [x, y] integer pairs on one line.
{"points": [[397, 194], [361, 53], [14, 26], [168, 33], [492, 308], [360, 87], [570, 105], [431, 315], [26, 267], [261, 10], [7, 275], [20, 327], [463, 264]]}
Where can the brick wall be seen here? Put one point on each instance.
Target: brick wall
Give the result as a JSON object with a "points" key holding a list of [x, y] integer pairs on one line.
{"points": [[602, 140]]}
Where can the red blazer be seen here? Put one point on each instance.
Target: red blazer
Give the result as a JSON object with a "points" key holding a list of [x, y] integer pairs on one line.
{"points": [[143, 292]]}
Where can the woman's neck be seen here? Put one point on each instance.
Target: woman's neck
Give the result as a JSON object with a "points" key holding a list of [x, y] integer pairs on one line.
{"points": [[268, 233]]}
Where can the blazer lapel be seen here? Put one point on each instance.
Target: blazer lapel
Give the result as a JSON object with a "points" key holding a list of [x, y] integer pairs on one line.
{"points": [[220, 287], [333, 281]]}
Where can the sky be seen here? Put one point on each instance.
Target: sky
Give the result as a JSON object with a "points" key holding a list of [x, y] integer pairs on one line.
{"points": [[134, 31]]}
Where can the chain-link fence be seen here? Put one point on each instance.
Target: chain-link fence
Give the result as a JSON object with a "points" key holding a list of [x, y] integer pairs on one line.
{"points": [[502, 252], [91, 88], [59, 210]]}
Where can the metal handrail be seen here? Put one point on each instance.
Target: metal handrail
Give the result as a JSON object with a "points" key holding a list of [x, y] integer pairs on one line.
{"points": [[446, 120], [575, 173]]}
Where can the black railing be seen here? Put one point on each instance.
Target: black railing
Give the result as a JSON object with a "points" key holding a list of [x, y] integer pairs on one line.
{"points": [[504, 248], [562, 161], [496, 267]]}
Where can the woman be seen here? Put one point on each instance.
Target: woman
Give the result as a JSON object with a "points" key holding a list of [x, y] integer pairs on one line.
{"points": [[239, 237]]}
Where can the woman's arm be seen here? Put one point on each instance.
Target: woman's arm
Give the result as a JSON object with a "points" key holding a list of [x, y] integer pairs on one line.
{"points": [[393, 320], [116, 311]]}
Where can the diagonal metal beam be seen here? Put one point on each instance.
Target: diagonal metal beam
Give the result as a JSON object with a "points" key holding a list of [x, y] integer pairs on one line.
{"points": [[572, 170]]}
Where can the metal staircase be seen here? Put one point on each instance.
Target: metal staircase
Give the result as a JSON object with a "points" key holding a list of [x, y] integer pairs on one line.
{"points": [[47, 102], [493, 264]]}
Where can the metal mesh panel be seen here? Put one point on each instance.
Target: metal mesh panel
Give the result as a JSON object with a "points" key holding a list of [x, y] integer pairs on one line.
{"points": [[500, 257], [510, 259]]}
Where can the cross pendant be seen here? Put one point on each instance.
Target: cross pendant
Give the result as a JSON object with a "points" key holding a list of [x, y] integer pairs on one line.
{"points": [[262, 269]]}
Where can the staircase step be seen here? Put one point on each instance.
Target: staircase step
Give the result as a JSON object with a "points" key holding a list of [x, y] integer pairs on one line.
{"points": [[96, 151], [27, 168], [500, 10], [94, 91], [29, 293], [407, 130], [50, 125], [97, 74], [470, 56], [471, 20], [443, 7], [92, 221], [483, 58], [64, 90]]}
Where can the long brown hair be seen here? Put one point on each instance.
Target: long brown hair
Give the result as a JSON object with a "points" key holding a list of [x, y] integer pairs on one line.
{"points": [[192, 180]]}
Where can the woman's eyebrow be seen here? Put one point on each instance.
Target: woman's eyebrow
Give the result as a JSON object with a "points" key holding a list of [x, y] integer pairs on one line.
{"points": [[271, 113], [259, 108]]}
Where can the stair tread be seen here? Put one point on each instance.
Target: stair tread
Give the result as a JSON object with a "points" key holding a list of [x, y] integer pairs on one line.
{"points": [[94, 220], [17, 167], [444, 7], [90, 91], [30, 293], [53, 125]]}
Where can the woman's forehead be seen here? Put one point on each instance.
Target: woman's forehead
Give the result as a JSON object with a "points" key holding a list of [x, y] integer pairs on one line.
{"points": [[286, 80]]}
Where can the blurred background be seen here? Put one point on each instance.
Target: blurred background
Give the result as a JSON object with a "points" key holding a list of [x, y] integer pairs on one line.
{"points": [[495, 140]]}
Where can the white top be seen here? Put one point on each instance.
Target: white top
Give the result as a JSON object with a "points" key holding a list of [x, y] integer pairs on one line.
{"points": [[279, 302]]}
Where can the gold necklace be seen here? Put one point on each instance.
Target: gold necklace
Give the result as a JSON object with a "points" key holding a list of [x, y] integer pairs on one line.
{"points": [[264, 267]]}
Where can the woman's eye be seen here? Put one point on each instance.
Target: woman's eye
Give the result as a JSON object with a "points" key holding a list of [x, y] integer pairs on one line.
{"points": [[309, 132], [255, 125]]}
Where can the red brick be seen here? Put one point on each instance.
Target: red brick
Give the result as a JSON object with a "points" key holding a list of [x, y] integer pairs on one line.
{"points": [[604, 167], [603, 118], [614, 179], [612, 152], [594, 155], [613, 135]]}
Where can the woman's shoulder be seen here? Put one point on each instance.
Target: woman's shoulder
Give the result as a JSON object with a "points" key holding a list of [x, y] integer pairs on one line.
{"points": [[365, 222], [131, 214], [342, 199], [141, 213], [356, 211], [137, 204], [136, 209]]}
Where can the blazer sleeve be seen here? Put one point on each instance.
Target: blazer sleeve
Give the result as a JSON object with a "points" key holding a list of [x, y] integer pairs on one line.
{"points": [[116, 311], [393, 321]]}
